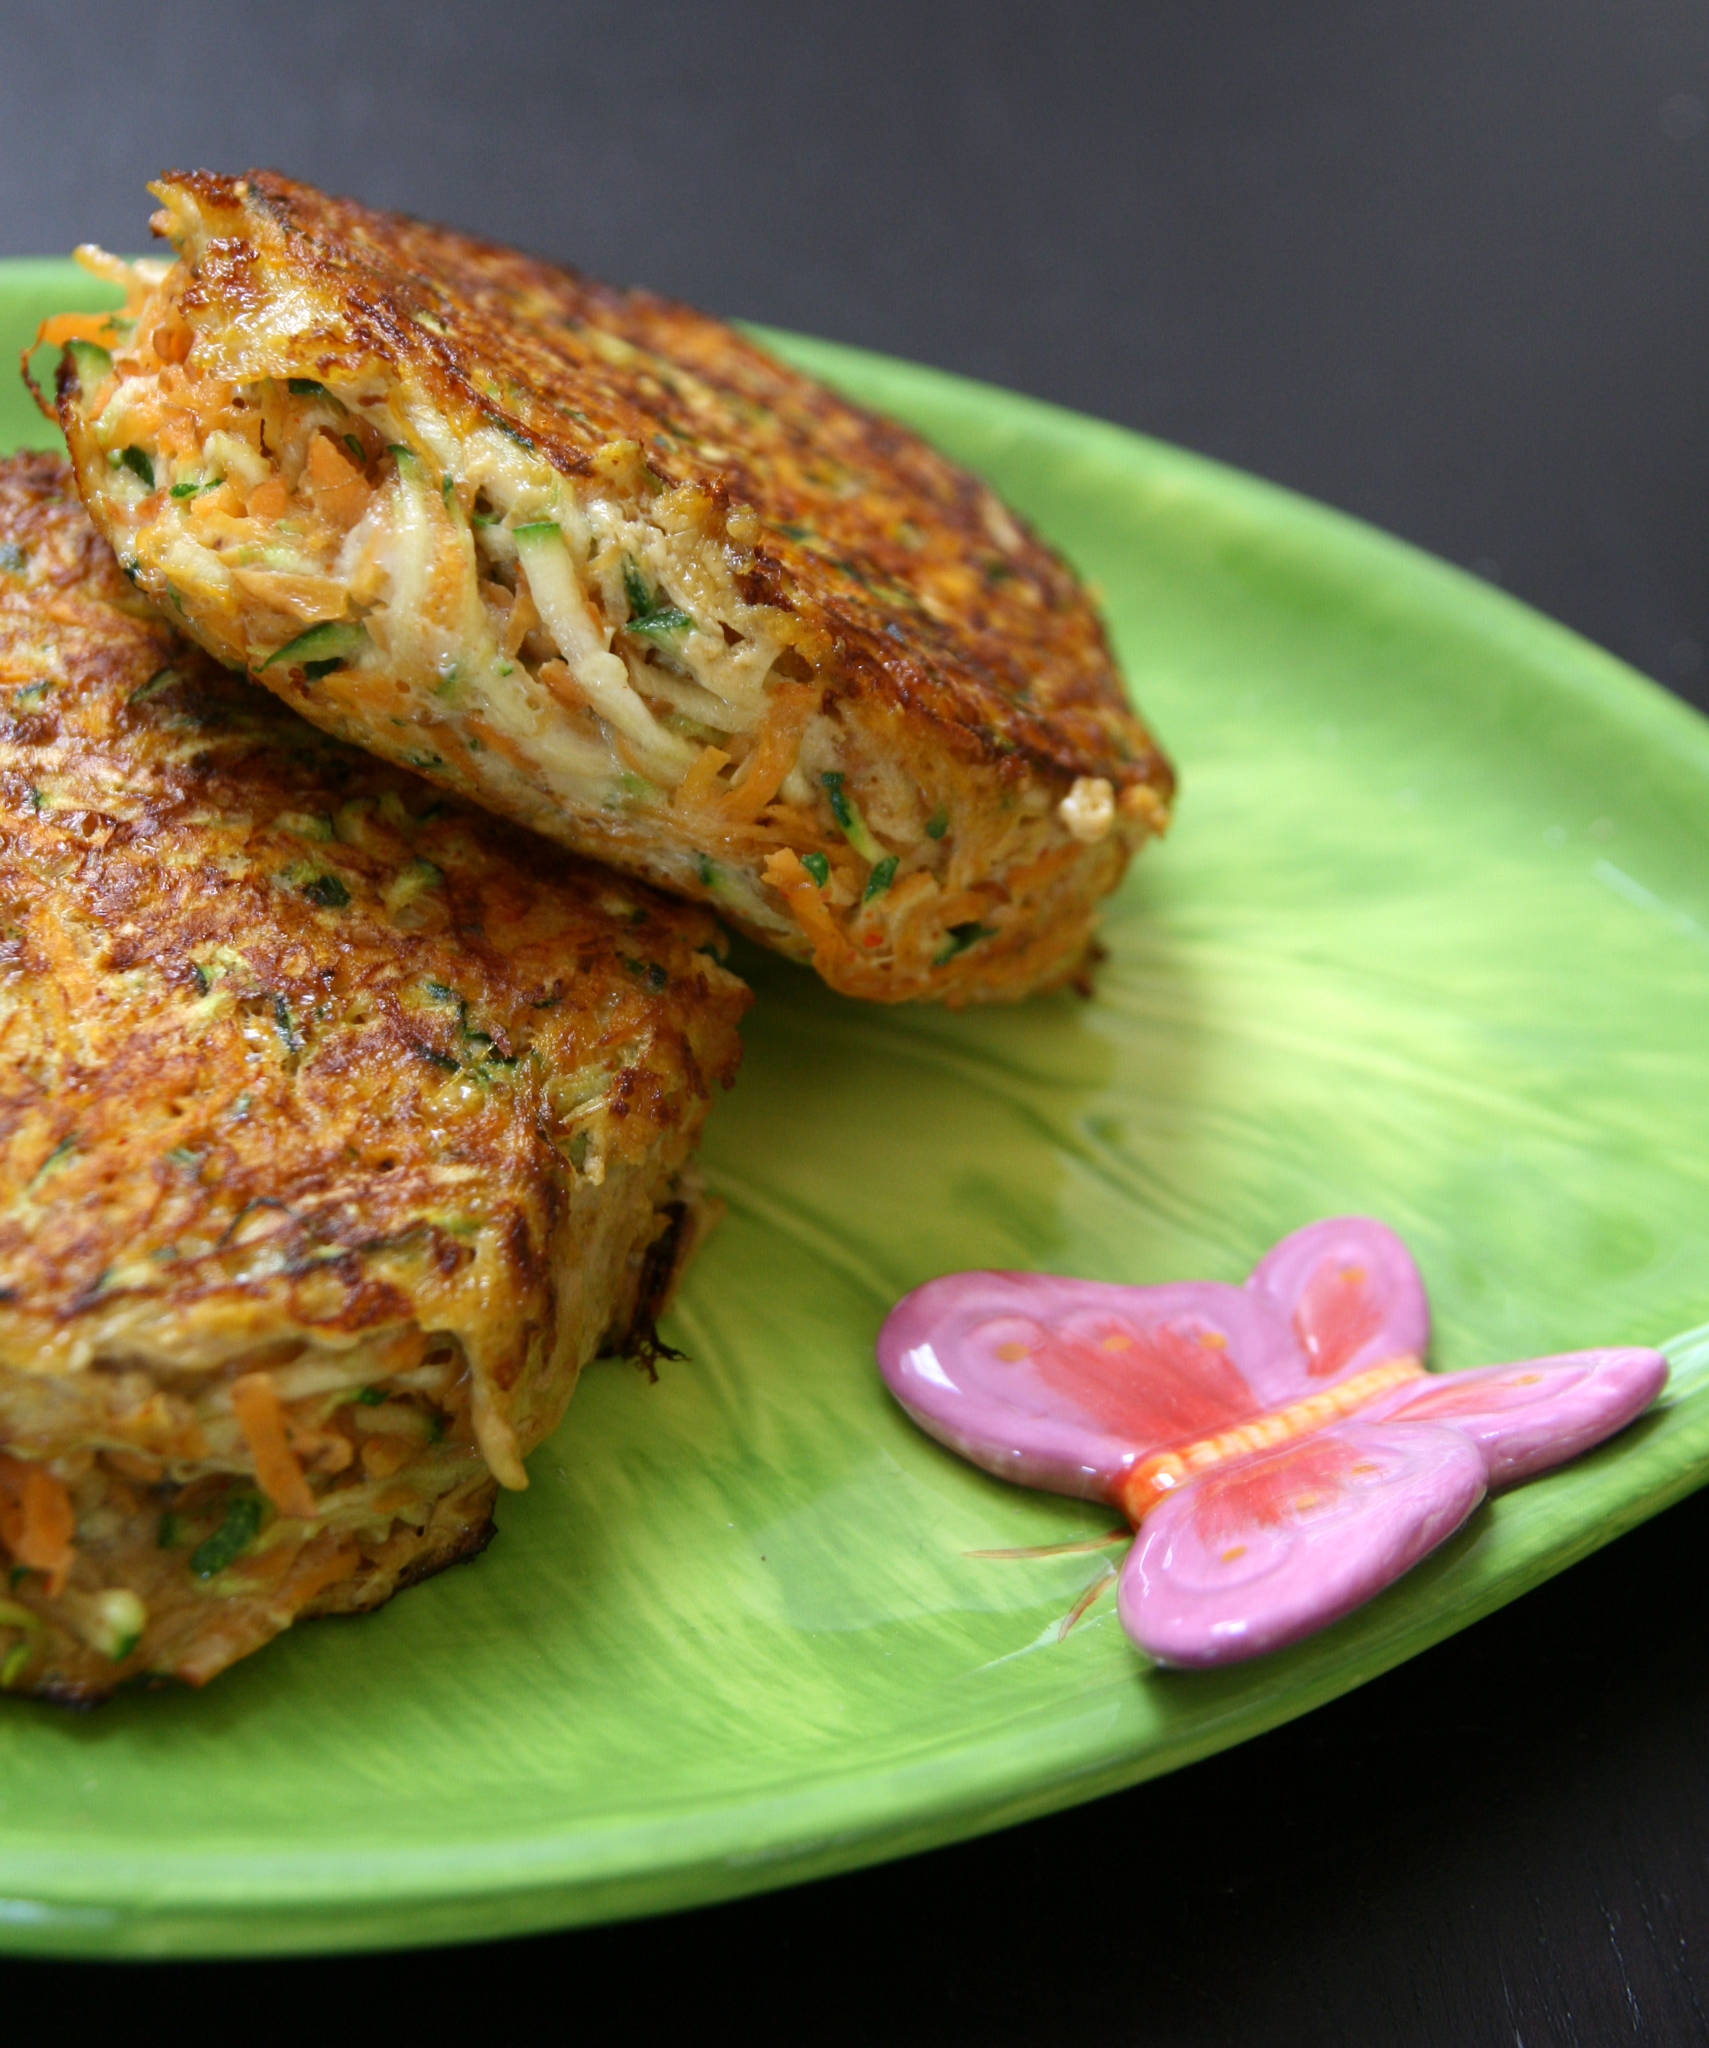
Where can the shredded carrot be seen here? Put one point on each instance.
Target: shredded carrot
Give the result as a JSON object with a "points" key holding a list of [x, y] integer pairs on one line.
{"points": [[558, 679], [523, 618], [261, 1417], [783, 870], [308, 598], [384, 1455], [495, 742], [339, 489], [171, 340], [64, 327], [327, 464], [37, 1524], [223, 504], [698, 783], [269, 500], [1022, 882], [307, 1579], [762, 773]]}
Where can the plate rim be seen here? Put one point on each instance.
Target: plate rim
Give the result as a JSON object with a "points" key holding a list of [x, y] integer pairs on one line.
{"points": [[567, 1873]]}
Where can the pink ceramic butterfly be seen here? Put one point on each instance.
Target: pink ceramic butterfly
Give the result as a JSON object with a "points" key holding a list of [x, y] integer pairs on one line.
{"points": [[1278, 1447]]}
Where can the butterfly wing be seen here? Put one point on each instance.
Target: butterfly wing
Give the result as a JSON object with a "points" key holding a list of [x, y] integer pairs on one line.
{"points": [[1064, 1384], [1259, 1553], [1352, 1297], [1525, 1418]]}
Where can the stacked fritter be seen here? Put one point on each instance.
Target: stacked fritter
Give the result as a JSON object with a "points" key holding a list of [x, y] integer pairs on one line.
{"points": [[601, 564], [339, 1126]]}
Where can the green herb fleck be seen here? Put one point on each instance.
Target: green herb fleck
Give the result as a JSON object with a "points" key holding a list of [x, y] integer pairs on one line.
{"points": [[438, 1059], [57, 1157], [305, 387], [199, 975], [231, 1539], [841, 809], [32, 696], [440, 993], [136, 460], [883, 874], [191, 489], [12, 558], [16, 1664], [961, 936], [847, 814], [283, 1024], [818, 867], [669, 619], [320, 648], [355, 446], [91, 362], [647, 615], [328, 892], [707, 870], [168, 1534], [162, 679], [937, 824], [371, 1397]]}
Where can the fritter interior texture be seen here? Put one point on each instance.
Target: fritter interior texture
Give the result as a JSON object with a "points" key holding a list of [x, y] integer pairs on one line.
{"points": [[339, 1125], [600, 563]]}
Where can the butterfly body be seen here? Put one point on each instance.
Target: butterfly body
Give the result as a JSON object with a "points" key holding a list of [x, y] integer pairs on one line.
{"points": [[1279, 1446]]}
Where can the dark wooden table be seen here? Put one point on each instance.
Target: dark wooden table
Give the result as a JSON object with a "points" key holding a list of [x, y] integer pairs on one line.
{"points": [[1444, 266]]}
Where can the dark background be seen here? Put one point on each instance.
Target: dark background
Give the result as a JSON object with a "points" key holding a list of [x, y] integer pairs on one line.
{"points": [[1444, 266]]}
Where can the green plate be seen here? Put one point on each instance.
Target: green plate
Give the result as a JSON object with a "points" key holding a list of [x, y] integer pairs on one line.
{"points": [[1430, 940]]}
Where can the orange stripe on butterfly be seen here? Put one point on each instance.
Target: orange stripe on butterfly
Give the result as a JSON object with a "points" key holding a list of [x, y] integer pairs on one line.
{"points": [[1153, 1479]]}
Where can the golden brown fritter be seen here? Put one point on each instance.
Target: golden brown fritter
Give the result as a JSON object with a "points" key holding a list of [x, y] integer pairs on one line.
{"points": [[339, 1126], [602, 564]]}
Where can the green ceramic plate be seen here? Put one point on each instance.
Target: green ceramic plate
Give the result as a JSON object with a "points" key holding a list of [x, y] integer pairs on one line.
{"points": [[1430, 939]]}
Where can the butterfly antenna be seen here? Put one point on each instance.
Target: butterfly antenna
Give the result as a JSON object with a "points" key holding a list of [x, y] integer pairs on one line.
{"points": [[1105, 1579], [1077, 1549]]}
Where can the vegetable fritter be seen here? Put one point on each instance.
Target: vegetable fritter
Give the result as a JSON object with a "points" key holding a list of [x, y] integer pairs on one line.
{"points": [[600, 563], [339, 1126]]}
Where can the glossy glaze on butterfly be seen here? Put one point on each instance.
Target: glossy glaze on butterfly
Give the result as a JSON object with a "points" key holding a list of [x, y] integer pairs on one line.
{"points": [[1279, 1447]]}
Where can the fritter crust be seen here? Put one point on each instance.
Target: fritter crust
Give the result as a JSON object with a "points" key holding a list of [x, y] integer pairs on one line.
{"points": [[339, 1126], [910, 648]]}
